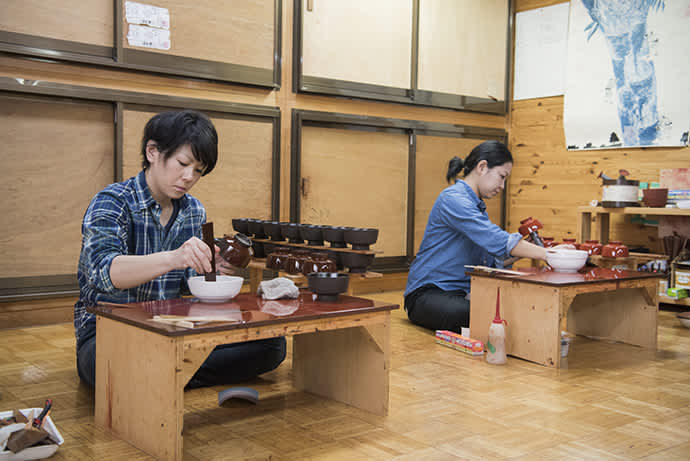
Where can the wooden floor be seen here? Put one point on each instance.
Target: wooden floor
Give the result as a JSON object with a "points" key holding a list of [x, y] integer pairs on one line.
{"points": [[613, 401]]}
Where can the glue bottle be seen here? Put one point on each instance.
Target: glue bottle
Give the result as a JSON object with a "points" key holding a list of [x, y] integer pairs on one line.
{"points": [[496, 345]]}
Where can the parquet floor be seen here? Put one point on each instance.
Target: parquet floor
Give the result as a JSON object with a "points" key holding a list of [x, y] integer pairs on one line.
{"points": [[613, 401]]}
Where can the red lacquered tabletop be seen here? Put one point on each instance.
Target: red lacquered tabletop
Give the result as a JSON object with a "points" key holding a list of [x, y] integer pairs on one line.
{"points": [[244, 311], [546, 276]]}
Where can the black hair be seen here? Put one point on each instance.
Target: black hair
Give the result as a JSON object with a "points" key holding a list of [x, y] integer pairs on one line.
{"points": [[173, 129], [495, 153]]}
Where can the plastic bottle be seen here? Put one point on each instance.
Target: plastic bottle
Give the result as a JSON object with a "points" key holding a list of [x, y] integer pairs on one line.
{"points": [[496, 345]]}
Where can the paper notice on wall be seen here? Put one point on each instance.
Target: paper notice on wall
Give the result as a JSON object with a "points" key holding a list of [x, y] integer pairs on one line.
{"points": [[148, 15], [148, 37], [540, 52]]}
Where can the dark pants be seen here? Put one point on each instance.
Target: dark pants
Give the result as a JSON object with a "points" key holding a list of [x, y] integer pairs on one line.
{"points": [[435, 309], [227, 363]]}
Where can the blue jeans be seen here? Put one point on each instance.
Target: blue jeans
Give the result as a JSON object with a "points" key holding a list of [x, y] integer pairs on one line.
{"points": [[226, 364], [435, 309]]}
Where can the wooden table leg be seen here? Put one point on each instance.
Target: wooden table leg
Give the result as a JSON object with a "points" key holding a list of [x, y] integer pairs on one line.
{"points": [[350, 365], [532, 313], [627, 315], [603, 227], [139, 387], [536, 314], [584, 228]]}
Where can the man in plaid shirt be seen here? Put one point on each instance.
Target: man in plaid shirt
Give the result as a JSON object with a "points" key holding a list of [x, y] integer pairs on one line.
{"points": [[141, 240]]}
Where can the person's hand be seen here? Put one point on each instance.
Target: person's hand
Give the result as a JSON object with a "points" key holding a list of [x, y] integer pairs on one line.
{"points": [[193, 253], [222, 266]]}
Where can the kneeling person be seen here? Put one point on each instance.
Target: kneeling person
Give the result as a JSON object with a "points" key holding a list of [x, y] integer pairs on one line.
{"points": [[141, 240]]}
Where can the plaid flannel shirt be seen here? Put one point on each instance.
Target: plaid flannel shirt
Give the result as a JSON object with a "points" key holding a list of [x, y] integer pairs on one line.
{"points": [[124, 219]]}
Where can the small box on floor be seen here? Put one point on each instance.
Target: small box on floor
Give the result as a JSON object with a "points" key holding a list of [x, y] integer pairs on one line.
{"points": [[467, 345], [677, 293]]}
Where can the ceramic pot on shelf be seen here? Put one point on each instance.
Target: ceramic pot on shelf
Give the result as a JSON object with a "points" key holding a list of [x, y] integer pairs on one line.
{"points": [[323, 262], [335, 235], [614, 249], [309, 266], [241, 225], [571, 241], [548, 242], [592, 247], [256, 227], [277, 259], [294, 264], [237, 250]]}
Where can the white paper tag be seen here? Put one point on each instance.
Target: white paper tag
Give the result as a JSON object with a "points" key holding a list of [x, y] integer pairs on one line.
{"points": [[149, 15], [148, 37]]}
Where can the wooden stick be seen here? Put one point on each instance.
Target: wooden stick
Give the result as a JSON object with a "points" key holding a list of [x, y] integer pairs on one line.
{"points": [[207, 231]]}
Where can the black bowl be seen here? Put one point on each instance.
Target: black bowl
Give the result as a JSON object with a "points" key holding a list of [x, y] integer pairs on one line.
{"points": [[335, 235], [336, 256], [356, 262], [259, 250], [312, 234], [272, 229], [267, 248], [360, 238], [328, 285], [291, 231], [256, 227], [241, 225]]}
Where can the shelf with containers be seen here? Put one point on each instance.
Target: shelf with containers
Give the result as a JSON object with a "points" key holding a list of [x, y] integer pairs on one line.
{"points": [[593, 223]]}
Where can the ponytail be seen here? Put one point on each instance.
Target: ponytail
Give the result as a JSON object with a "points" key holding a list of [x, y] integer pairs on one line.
{"points": [[454, 168]]}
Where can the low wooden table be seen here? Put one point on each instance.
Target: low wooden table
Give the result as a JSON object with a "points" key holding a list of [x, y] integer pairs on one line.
{"points": [[340, 351], [609, 304]]}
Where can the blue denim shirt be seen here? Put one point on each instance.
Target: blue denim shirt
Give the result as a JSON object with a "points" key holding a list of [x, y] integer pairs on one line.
{"points": [[458, 232], [124, 219]]}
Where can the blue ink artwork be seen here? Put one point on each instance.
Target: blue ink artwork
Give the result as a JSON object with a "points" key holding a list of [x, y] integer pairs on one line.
{"points": [[624, 25]]}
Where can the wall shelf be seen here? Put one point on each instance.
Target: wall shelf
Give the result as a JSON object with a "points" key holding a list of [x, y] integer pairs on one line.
{"points": [[585, 231]]}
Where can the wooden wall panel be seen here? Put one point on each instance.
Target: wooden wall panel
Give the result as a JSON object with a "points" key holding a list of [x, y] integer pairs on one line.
{"points": [[75, 20], [351, 41], [240, 184], [56, 155], [548, 182], [462, 47], [238, 32], [433, 155], [357, 178]]}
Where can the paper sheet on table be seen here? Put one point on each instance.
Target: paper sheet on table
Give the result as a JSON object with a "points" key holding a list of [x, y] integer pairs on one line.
{"points": [[216, 314]]}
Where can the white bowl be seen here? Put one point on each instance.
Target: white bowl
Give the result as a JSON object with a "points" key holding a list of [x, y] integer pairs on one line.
{"points": [[563, 260], [224, 288], [684, 204]]}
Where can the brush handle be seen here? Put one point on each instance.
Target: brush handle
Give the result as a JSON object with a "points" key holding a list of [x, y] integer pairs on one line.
{"points": [[46, 409], [207, 232]]}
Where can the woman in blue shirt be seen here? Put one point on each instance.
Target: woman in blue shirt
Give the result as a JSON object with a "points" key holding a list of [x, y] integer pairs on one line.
{"points": [[459, 233]]}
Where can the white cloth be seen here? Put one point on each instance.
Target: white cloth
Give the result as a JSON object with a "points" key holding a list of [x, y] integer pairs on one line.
{"points": [[277, 288]]}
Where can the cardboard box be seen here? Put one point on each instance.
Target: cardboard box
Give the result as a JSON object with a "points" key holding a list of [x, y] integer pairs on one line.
{"points": [[467, 345], [677, 293], [681, 274]]}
